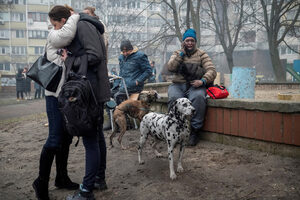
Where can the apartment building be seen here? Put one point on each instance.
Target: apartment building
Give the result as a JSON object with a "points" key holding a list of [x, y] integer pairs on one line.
{"points": [[23, 32], [125, 19], [24, 29]]}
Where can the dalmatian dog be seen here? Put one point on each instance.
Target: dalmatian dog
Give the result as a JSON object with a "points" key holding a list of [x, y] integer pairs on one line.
{"points": [[174, 128]]}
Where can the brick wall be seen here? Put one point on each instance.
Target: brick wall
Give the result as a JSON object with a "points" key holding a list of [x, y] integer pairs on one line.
{"points": [[267, 126], [271, 121]]}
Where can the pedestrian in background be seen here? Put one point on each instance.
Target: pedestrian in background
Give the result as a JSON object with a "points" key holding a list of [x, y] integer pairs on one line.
{"points": [[20, 85], [135, 69], [27, 84], [152, 78], [38, 88]]}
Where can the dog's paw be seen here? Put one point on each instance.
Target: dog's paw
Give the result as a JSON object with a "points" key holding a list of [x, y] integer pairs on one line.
{"points": [[158, 155], [124, 147], [141, 162], [173, 176], [179, 169]]}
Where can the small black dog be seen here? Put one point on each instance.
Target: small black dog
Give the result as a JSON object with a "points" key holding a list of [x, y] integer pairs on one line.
{"points": [[191, 71]]}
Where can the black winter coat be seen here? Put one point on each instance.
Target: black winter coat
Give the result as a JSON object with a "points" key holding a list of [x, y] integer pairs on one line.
{"points": [[20, 82], [27, 81], [88, 48]]}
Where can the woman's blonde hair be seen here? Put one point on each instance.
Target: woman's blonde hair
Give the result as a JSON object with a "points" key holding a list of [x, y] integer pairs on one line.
{"points": [[69, 7], [91, 9]]}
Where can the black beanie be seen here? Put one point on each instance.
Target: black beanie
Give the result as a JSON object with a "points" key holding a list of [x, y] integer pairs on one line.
{"points": [[126, 45]]}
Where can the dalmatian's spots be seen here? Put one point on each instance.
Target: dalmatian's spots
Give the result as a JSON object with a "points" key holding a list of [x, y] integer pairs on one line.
{"points": [[173, 128]]}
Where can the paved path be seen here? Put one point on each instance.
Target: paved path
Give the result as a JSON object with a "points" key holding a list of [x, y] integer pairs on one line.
{"points": [[22, 109]]}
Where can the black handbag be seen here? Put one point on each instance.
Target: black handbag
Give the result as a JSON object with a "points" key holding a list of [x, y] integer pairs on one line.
{"points": [[45, 73]]}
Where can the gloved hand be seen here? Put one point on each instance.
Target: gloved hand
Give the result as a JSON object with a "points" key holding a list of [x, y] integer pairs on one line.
{"points": [[181, 54]]}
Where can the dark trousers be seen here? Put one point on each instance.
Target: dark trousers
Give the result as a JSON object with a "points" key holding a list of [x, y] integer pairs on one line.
{"points": [[58, 136], [20, 93], [57, 144], [196, 95], [37, 94], [95, 155]]}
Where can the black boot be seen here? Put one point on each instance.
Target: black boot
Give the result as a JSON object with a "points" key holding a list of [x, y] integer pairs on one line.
{"points": [[62, 179], [193, 137], [82, 194], [40, 185], [100, 184]]}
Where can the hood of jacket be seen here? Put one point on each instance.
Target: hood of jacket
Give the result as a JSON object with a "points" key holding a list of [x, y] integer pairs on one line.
{"points": [[92, 20], [135, 49]]}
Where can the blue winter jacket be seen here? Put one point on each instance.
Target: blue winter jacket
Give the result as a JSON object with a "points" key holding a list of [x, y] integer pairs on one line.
{"points": [[135, 67]]}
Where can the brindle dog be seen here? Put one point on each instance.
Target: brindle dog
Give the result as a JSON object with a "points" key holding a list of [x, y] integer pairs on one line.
{"points": [[135, 109]]}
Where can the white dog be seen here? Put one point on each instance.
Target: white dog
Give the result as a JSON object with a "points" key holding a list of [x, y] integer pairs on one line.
{"points": [[173, 128]]}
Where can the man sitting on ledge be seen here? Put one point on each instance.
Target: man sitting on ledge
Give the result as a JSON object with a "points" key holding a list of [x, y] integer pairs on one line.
{"points": [[194, 70]]}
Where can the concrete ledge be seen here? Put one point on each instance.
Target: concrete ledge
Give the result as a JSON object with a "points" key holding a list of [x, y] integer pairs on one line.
{"points": [[261, 105], [249, 104], [269, 121], [252, 144]]}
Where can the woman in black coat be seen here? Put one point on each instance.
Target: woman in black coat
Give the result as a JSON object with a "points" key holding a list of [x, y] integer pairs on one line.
{"points": [[88, 57], [20, 84]]}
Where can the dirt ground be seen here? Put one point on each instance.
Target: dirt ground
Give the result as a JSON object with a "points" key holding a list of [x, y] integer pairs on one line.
{"points": [[212, 171]]}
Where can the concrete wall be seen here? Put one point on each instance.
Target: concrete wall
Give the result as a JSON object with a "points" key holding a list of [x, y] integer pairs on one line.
{"points": [[276, 121], [163, 87]]}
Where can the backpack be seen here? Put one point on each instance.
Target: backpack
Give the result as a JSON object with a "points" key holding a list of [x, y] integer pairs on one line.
{"points": [[217, 92], [78, 105]]}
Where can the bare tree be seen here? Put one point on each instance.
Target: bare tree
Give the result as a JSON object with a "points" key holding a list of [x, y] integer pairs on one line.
{"points": [[176, 21], [4, 4], [226, 29], [279, 19]]}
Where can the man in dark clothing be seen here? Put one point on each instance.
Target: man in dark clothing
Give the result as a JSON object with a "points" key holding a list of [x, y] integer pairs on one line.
{"points": [[38, 88], [20, 84], [87, 50], [194, 70], [134, 69], [152, 79]]}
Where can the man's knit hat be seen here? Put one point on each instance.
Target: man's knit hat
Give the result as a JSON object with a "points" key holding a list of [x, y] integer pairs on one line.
{"points": [[126, 45], [189, 33]]}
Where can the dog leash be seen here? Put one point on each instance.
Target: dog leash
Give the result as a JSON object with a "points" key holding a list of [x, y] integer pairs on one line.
{"points": [[144, 109]]}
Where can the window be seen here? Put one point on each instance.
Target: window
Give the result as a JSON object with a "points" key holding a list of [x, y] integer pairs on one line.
{"points": [[4, 50], [18, 34], [291, 49], [4, 16], [38, 50], [4, 34], [37, 34], [5, 66], [19, 50], [37, 17], [21, 2], [283, 50], [17, 17]]}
